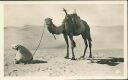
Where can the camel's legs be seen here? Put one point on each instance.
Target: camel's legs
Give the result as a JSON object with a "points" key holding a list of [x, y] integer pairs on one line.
{"points": [[86, 45], [72, 46], [89, 42], [66, 40], [90, 47]]}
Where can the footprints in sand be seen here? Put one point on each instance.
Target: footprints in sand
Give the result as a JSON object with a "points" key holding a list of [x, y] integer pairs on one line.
{"points": [[57, 65]]}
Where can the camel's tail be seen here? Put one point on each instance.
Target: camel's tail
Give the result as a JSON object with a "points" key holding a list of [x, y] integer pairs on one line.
{"points": [[89, 36], [87, 31]]}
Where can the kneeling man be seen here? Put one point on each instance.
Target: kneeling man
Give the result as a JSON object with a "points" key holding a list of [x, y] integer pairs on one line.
{"points": [[23, 54]]}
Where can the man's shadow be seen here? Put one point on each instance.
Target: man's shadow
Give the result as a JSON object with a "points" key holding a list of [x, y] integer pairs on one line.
{"points": [[111, 61], [31, 62], [37, 62]]}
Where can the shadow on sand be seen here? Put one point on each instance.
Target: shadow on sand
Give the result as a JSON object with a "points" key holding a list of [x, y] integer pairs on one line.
{"points": [[31, 62], [37, 61], [111, 61]]}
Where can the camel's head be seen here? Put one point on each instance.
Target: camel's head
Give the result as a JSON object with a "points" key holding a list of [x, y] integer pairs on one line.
{"points": [[49, 24], [48, 21]]}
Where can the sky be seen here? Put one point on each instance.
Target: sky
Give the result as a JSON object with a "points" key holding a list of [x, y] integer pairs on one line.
{"points": [[34, 14]]}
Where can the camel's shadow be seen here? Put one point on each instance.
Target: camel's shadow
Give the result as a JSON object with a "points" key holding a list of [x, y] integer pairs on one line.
{"points": [[111, 61]]}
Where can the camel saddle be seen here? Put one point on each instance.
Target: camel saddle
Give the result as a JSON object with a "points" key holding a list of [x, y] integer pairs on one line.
{"points": [[75, 19], [76, 22]]}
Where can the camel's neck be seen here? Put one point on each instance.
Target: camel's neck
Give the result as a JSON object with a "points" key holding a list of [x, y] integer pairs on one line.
{"points": [[55, 30]]}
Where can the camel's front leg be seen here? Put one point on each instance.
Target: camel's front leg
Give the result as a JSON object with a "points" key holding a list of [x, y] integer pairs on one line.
{"points": [[66, 40], [72, 47]]}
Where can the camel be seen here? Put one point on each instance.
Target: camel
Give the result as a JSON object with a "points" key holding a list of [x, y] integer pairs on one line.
{"points": [[71, 26]]}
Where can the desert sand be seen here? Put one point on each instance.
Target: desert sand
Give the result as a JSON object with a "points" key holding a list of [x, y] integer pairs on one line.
{"points": [[49, 59]]}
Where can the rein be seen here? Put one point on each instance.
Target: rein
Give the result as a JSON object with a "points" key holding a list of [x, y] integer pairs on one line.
{"points": [[39, 41]]}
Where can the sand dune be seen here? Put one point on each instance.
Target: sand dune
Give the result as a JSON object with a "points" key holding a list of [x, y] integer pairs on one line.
{"points": [[103, 37]]}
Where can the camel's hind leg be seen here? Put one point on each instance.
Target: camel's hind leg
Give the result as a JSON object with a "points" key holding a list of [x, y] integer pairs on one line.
{"points": [[90, 47], [86, 45], [87, 41]]}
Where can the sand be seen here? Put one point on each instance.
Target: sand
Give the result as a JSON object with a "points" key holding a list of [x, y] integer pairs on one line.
{"points": [[49, 59]]}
